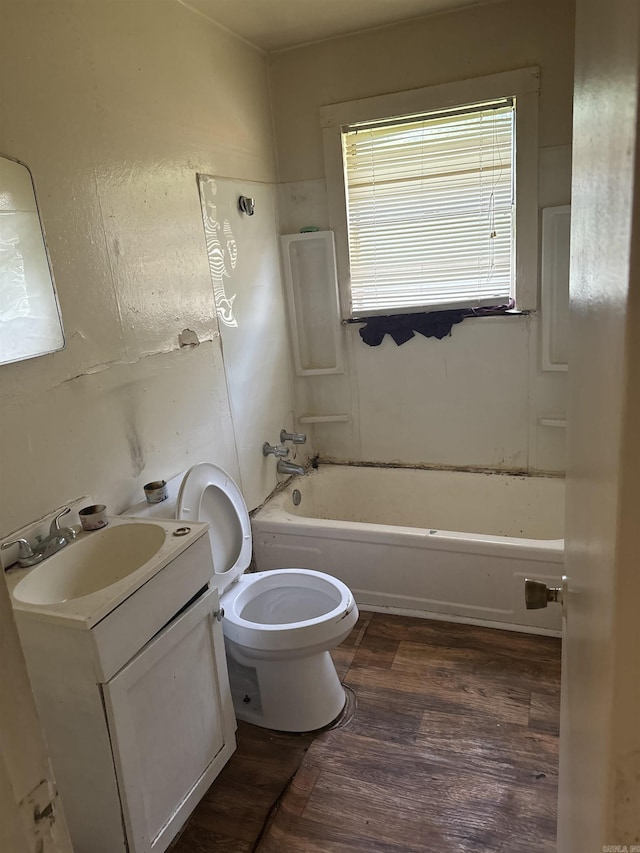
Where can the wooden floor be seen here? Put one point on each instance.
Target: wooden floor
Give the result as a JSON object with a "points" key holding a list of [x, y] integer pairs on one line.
{"points": [[453, 747]]}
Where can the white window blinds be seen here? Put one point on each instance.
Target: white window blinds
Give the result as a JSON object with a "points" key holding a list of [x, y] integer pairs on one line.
{"points": [[430, 210]]}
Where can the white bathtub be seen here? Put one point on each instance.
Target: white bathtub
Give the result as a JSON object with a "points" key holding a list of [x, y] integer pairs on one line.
{"points": [[439, 544]]}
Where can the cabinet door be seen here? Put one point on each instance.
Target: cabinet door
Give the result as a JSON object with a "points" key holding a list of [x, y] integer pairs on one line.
{"points": [[171, 724]]}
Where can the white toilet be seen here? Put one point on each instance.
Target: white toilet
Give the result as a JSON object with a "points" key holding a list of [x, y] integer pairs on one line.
{"points": [[278, 625]]}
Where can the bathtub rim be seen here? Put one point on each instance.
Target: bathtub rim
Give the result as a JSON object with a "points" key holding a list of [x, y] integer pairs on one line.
{"points": [[273, 515]]}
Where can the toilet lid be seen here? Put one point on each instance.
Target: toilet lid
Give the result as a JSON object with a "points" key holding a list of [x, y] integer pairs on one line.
{"points": [[208, 493]]}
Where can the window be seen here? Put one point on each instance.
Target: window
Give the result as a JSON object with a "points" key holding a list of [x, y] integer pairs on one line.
{"points": [[430, 205], [424, 203]]}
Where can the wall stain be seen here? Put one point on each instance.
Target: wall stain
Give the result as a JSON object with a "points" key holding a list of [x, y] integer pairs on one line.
{"points": [[136, 450], [427, 466]]}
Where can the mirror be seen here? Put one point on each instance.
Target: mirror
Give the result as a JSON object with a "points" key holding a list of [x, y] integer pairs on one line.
{"points": [[30, 322]]}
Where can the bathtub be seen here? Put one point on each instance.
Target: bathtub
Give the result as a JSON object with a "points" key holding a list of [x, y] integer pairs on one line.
{"points": [[438, 544]]}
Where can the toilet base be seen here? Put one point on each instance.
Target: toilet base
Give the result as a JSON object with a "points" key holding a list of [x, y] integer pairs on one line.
{"points": [[298, 695]]}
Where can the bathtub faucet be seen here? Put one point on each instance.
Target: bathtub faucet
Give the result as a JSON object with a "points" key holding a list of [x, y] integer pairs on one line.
{"points": [[274, 449], [286, 467], [295, 437]]}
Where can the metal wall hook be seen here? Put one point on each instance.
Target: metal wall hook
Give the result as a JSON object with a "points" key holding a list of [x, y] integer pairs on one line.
{"points": [[247, 205]]}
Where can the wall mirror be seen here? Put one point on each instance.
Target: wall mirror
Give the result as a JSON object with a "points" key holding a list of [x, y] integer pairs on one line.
{"points": [[30, 323]]}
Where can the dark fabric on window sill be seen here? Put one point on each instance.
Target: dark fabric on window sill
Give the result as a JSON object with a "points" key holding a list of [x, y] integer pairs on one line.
{"points": [[431, 324]]}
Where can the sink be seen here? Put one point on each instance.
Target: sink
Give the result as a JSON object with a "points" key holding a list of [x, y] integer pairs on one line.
{"points": [[93, 562]]}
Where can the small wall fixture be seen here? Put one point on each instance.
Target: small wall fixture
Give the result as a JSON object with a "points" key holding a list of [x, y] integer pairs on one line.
{"points": [[247, 205]]}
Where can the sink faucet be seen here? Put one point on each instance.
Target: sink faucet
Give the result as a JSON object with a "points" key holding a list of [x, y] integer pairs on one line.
{"points": [[26, 555], [58, 536], [286, 467], [30, 555]]}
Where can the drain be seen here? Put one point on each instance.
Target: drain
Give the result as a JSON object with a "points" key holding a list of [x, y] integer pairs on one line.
{"points": [[296, 497]]}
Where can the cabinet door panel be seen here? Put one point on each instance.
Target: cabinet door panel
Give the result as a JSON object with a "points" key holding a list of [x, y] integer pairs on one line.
{"points": [[168, 714]]}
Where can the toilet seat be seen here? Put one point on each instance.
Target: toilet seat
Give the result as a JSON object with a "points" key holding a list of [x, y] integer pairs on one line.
{"points": [[208, 493], [261, 610]]}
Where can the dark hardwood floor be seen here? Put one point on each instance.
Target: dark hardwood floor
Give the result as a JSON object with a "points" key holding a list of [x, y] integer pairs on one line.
{"points": [[453, 747]]}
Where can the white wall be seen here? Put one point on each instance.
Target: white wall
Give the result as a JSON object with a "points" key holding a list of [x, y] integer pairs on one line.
{"points": [[115, 107], [474, 399]]}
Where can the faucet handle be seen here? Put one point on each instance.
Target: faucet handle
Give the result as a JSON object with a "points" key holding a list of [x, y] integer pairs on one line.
{"points": [[26, 557], [275, 449], [55, 524], [295, 437]]}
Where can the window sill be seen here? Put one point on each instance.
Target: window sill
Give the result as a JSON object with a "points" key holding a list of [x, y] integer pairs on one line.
{"points": [[470, 313]]}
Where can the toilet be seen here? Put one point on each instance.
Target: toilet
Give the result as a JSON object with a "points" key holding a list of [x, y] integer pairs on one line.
{"points": [[278, 625]]}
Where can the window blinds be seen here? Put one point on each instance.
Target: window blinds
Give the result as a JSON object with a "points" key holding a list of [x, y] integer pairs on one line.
{"points": [[430, 210]]}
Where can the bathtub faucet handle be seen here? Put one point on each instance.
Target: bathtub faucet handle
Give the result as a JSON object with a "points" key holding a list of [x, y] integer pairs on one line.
{"points": [[274, 449], [295, 437]]}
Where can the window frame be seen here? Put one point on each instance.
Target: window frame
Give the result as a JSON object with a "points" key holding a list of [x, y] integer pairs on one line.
{"points": [[522, 85]]}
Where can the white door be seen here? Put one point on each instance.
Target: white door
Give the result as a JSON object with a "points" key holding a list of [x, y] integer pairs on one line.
{"points": [[31, 817], [599, 802], [171, 724]]}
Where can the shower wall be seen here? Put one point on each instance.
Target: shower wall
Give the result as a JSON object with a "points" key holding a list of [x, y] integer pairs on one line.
{"points": [[479, 397]]}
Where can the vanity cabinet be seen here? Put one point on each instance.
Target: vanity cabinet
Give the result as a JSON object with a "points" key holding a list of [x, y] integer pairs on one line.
{"points": [[137, 709], [167, 723]]}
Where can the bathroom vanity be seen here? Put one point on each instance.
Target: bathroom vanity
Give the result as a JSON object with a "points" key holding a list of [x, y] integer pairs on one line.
{"points": [[130, 679]]}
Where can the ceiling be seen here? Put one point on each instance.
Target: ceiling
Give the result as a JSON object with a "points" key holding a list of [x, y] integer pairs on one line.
{"points": [[277, 24]]}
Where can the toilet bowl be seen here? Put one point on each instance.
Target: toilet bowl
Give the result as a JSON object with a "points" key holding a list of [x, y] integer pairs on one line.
{"points": [[278, 625]]}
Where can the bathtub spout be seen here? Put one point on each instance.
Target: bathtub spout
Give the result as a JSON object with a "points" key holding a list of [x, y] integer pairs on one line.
{"points": [[286, 467]]}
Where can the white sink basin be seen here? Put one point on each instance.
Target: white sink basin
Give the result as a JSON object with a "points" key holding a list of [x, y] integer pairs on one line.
{"points": [[95, 561]]}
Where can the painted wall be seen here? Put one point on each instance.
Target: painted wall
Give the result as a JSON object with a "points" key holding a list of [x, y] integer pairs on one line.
{"points": [[475, 398], [115, 107]]}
